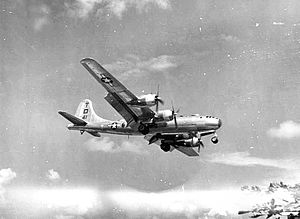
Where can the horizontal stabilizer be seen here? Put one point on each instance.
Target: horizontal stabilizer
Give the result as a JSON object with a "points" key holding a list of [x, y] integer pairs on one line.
{"points": [[96, 134], [75, 120], [244, 212]]}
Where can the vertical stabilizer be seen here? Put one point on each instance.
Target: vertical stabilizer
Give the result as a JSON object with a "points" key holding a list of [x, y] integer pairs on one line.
{"points": [[85, 111]]}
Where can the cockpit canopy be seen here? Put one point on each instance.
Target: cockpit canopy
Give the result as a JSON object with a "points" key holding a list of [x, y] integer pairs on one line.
{"points": [[208, 117]]}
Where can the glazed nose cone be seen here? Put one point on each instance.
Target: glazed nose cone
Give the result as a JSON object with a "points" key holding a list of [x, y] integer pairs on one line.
{"points": [[219, 123]]}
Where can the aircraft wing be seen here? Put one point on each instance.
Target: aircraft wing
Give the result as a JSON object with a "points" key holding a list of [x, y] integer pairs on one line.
{"points": [[187, 150], [118, 95], [109, 82]]}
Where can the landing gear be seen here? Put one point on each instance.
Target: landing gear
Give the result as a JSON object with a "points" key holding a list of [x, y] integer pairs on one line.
{"points": [[143, 129], [214, 140], [165, 147]]}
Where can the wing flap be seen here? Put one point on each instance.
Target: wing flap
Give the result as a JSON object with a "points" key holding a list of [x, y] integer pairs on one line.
{"points": [[125, 111], [189, 151]]}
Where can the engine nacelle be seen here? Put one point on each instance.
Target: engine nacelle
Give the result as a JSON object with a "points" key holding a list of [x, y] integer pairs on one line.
{"points": [[144, 100], [148, 99], [192, 142], [164, 115]]}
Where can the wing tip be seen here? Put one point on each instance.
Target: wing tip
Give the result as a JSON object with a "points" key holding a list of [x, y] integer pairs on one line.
{"points": [[60, 112], [88, 59]]}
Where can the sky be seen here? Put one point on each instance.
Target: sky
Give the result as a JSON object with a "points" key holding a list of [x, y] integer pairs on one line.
{"points": [[237, 60]]}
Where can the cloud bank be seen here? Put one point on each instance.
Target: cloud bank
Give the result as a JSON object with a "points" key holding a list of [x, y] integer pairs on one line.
{"points": [[107, 145], [83, 8], [132, 65], [51, 201], [286, 130], [245, 159], [130, 203]]}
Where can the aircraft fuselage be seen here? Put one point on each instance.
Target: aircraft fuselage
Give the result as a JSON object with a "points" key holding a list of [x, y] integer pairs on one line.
{"points": [[184, 124]]}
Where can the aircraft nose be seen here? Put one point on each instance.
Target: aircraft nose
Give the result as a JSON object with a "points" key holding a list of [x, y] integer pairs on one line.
{"points": [[219, 123]]}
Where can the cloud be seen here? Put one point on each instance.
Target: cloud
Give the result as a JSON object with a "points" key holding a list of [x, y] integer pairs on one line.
{"points": [[131, 203], [188, 203], [107, 145], [82, 8], [230, 38], [287, 130], [161, 63], [41, 17], [104, 144], [245, 159], [278, 23], [117, 7], [59, 201], [6, 176], [39, 23], [53, 176], [133, 65]]}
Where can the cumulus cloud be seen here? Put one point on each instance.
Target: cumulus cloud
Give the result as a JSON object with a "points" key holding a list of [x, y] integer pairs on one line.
{"points": [[53, 175], [82, 8], [6, 176], [287, 130], [107, 145], [133, 65], [245, 159]]}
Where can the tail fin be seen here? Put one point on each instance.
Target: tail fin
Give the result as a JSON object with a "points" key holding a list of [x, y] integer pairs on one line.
{"points": [[85, 111]]}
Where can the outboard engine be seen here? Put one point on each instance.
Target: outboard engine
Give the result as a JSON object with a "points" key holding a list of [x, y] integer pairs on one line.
{"points": [[146, 100]]}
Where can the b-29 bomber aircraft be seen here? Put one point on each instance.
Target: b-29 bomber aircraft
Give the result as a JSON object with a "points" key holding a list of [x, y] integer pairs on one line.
{"points": [[162, 127]]}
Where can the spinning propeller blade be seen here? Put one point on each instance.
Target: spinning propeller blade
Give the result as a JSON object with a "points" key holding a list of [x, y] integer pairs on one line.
{"points": [[158, 99], [174, 115]]}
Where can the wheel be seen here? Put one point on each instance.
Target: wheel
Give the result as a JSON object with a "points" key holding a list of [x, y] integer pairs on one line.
{"points": [[214, 140], [165, 147], [143, 129]]}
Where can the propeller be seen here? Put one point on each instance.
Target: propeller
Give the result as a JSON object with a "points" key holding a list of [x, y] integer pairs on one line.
{"points": [[200, 141], [200, 144], [158, 99], [174, 115]]}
